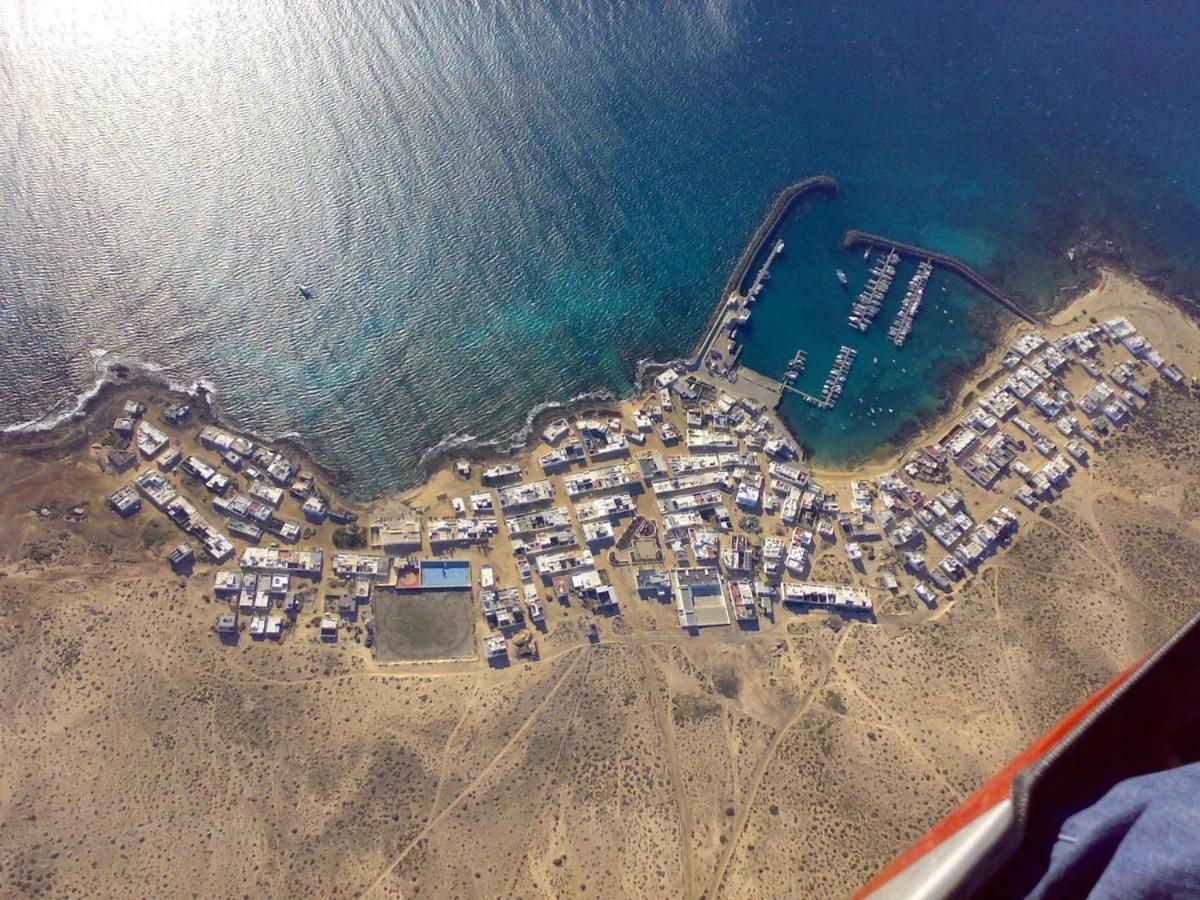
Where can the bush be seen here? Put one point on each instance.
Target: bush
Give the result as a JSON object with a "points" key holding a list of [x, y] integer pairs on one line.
{"points": [[834, 701], [349, 538], [154, 533]]}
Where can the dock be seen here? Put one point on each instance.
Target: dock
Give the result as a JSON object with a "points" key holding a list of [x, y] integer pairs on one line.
{"points": [[818, 402], [854, 238], [834, 382]]}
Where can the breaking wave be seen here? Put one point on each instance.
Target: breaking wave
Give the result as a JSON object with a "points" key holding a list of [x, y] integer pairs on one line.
{"points": [[111, 368]]}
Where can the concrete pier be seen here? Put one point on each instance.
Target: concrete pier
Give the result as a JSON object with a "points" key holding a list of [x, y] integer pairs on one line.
{"points": [[745, 382], [854, 238]]}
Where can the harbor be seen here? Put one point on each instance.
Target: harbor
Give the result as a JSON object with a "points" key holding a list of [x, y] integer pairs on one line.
{"points": [[873, 387], [782, 205]]}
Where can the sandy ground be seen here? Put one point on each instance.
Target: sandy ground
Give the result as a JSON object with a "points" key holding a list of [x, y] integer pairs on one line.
{"points": [[139, 756]]}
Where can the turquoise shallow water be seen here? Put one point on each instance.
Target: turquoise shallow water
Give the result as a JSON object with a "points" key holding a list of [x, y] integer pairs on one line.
{"points": [[500, 204]]}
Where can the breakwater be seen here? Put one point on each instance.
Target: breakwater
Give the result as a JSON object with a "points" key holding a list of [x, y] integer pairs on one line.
{"points": [[854, 238], [782, 205]]}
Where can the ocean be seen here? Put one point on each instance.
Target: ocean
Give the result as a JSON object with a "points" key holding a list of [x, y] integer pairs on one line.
{"points": [[497, 205]]}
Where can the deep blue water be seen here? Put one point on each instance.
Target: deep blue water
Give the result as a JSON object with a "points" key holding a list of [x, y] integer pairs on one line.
{"points": [[501, 204]]}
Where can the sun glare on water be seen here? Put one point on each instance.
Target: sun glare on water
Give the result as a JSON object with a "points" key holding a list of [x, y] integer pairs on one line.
{"points": [[111, 25]]}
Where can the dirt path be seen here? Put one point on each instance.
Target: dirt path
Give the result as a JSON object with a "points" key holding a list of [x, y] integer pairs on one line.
{"points": [[760, 768], [444, 763], [682, 808], [484, 773], [518, 869]]}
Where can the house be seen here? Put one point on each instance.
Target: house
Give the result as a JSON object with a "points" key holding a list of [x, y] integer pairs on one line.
{"points": [[282, 470], [607, 507], [181, 555], [125, 501], [460, 531], [361, 565], [525, 494], [277, 559], [600, 532], [653, 584], [736, 558], [749, 492], [170, 459], [329, 627], [827, 596], [315, 509], [176, 414], [226, 582], [555, 517], [226, 623], [495, 646], [260, 490], [121, 460], [501, 472], [604, 479], [150, 440], [218, 484], [741, 596], [555, 431]]}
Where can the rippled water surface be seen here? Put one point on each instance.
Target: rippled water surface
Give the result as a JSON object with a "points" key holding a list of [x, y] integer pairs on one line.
{"points": [[500, 204]]}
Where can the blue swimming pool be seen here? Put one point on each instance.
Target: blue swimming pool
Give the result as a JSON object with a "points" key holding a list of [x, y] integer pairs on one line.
{"points": [[448, 573]]}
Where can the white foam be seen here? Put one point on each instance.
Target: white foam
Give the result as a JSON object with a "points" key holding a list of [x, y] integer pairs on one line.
{"points": [[103, 362]]}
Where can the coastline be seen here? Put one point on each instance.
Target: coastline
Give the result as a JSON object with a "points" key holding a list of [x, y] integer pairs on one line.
{"points": [[86, 425], [90, 421], [1094, 259], [1076, 305], [83, 569]]}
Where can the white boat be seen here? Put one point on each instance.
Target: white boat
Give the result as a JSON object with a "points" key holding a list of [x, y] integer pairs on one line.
{"points": [[841, 276]]}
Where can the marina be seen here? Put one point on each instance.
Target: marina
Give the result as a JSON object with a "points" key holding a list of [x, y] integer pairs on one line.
{"points": [[835, 381], [864, 309], [796, 366], [854, 238], [911, 304]]}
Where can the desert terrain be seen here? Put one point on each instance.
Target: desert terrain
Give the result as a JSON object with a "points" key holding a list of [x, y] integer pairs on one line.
{"points": [[140, 755]]}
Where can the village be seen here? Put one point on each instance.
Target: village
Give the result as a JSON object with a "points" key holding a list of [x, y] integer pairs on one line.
{"points": [[692, 502]]}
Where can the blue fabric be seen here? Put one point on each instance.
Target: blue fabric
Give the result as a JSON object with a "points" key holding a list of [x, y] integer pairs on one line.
{"points": [[1140, 840]]}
